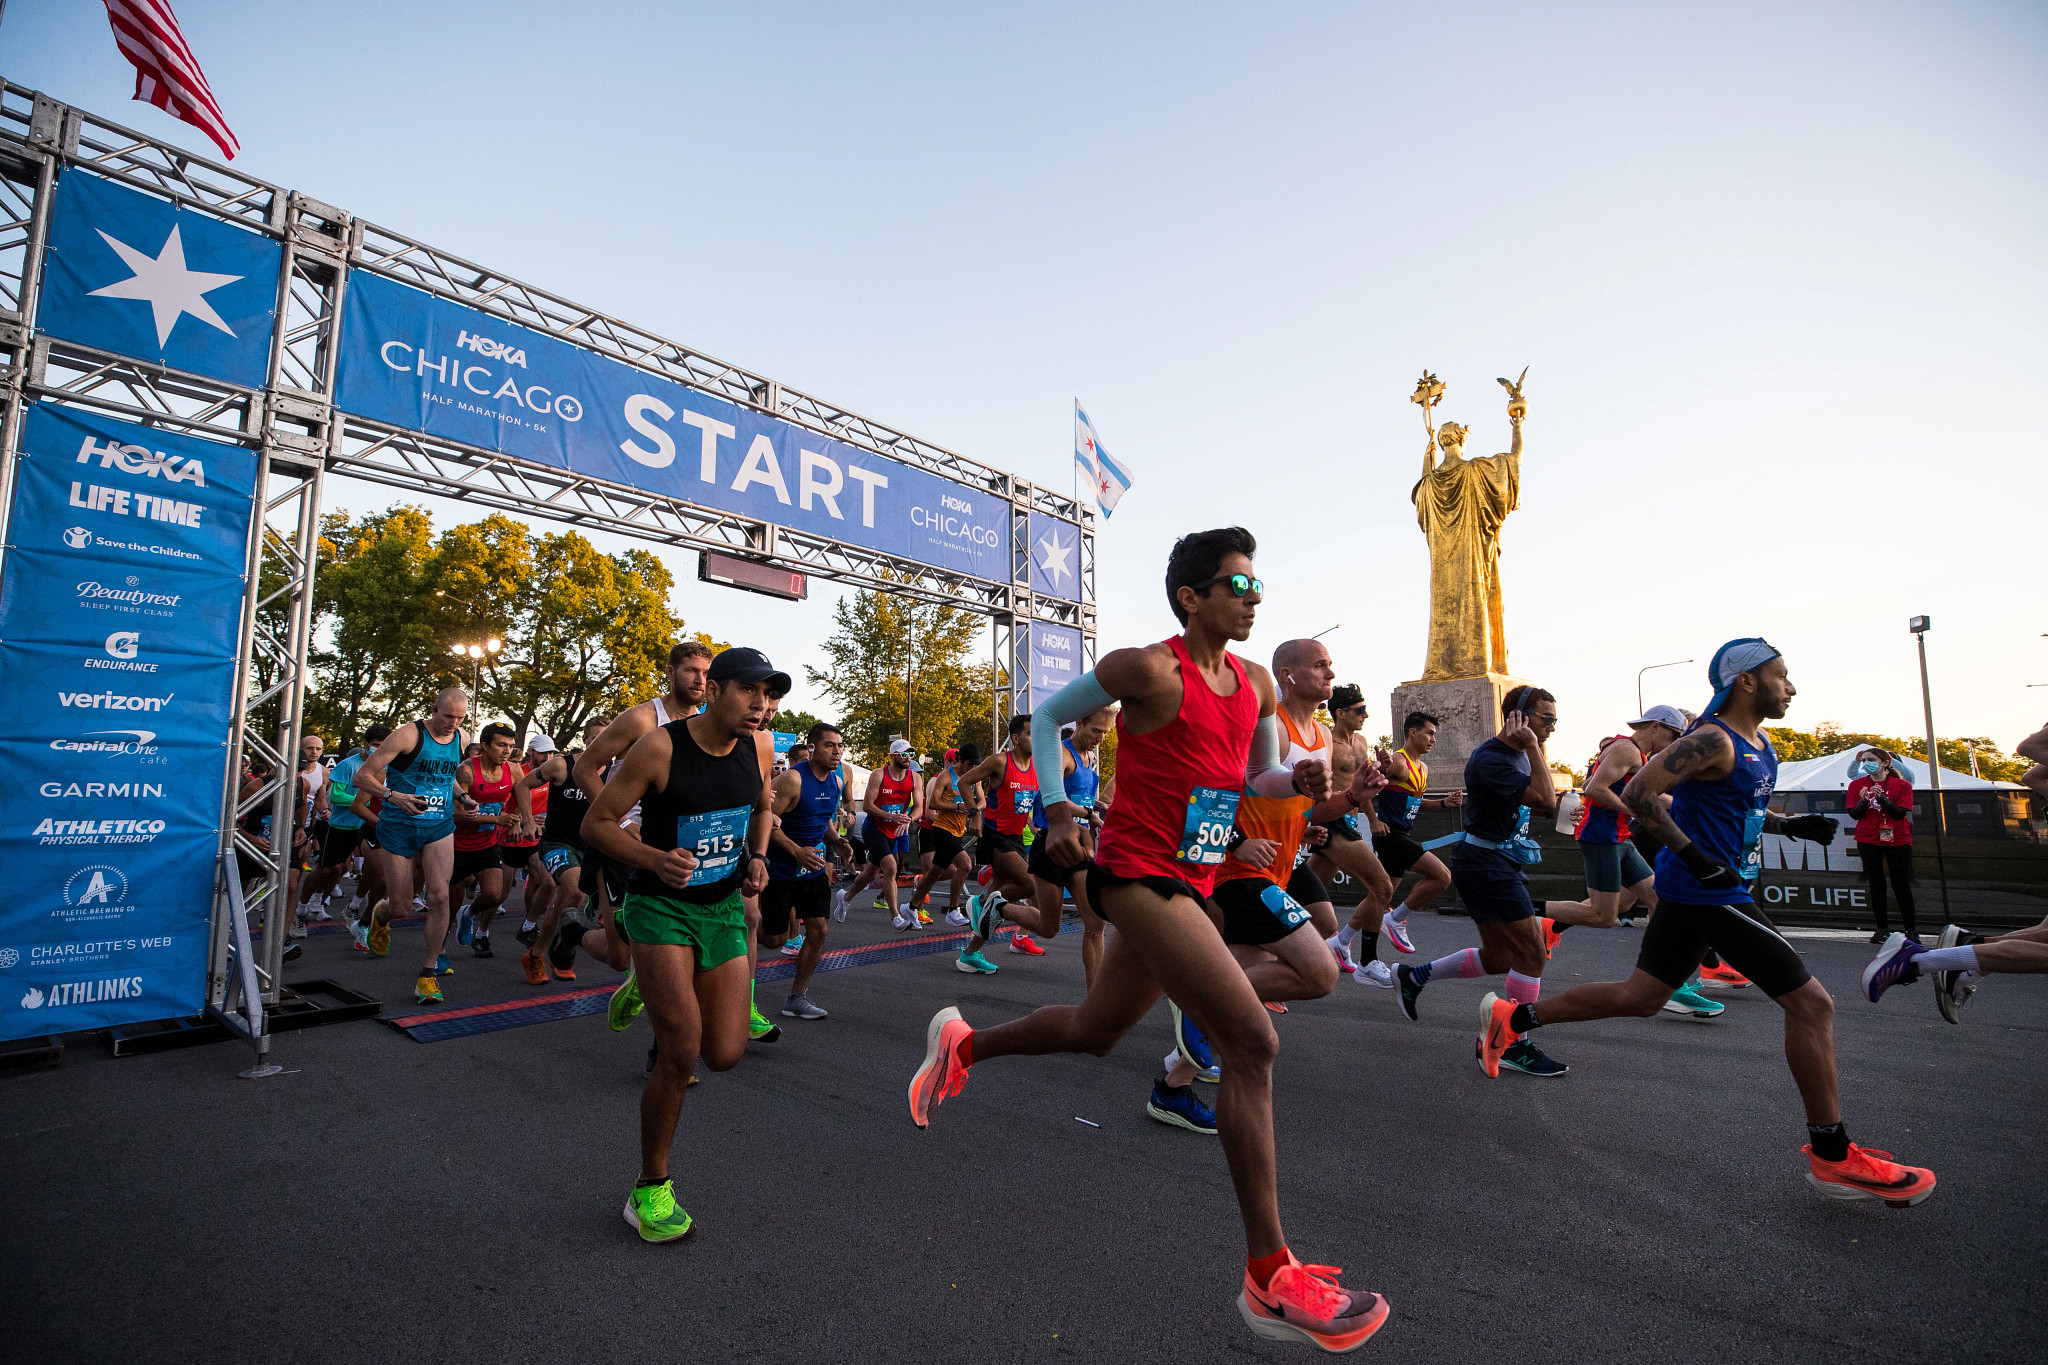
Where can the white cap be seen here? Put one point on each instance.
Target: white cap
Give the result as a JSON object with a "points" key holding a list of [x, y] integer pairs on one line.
{"points": [[541, 744], [899, 746], [1662, 715]]}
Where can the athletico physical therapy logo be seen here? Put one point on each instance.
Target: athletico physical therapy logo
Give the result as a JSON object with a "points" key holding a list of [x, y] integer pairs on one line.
{"points": [[91, 832]]}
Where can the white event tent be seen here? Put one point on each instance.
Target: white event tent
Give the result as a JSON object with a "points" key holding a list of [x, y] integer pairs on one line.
{"points": [[1831, 774]]}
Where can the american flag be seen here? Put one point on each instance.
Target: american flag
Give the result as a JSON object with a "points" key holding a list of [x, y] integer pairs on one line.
{"points": [[167, 75]]}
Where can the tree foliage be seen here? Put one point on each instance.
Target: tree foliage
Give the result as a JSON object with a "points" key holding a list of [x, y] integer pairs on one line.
{"points": [[887, 651], [1829, 738], [579, 631]]}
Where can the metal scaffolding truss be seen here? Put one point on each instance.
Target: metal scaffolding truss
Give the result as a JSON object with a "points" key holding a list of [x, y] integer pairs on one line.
{"points": [[291, 424]]}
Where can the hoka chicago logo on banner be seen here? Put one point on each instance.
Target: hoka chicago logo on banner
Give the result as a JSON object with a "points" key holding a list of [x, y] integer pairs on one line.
{"points": [[141, 277], [423, 363]]}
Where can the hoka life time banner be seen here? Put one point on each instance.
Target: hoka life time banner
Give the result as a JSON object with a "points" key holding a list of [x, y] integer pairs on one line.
{"points": [[120, 603], [422, 363]]}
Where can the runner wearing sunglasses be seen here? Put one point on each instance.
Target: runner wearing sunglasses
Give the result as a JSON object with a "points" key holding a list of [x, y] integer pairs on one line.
{"points": [[1197, 729]]}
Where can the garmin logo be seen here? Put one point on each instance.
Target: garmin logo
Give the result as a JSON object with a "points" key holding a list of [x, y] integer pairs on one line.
{"points": [[495, 350]]}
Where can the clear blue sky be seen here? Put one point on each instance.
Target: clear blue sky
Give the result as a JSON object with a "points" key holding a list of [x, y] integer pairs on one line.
{"points": [[1779, 274]]}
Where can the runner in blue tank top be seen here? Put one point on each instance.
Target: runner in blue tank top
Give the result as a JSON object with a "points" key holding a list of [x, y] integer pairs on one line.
{"points": [[1052, 880], [1719, 777], [413, 774], [810, 799]]}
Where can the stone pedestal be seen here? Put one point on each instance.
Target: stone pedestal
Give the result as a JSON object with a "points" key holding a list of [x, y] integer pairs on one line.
{"points": [[1467, 712]]}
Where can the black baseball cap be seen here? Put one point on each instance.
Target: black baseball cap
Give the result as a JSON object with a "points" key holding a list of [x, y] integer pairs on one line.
{"points": [[748, 665]]}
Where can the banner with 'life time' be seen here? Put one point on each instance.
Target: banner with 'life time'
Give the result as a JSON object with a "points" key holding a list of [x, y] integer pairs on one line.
{"points": [[120, 606]]}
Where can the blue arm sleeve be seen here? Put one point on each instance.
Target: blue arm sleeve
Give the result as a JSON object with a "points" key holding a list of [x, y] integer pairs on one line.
{"points": [[1082, 697]]}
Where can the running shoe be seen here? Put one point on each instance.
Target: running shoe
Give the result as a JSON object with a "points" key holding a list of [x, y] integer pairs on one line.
{"points": [[1950, 994], [1551, 934], [297, 931], [359, 932], [923, 915], [974, 962], [761, 1029], [1021, 942], [419, 904], [378, 942], [801, 1007], [625, 1005], [528, 935], [1625, 922], [1721, 977], [1496, 1036], [1531, 1060], [1343, 955], [465, 927], [1276, 1007], [562, 953], [793, 947], [1688, 1001], [442, 967], [481, 946], [1893, 966], [1305, 1303], [292, 951], [986, 912], [652, 1211], [536, 972], [1867, 1173], [956, 916], [1193, 1045], [426, 990], [1375, 973], [315, 910], [356, 903], [1177, 1105], [944, 1070], [839, 904], [901, 923], [1411, 989], [1396, 931]]}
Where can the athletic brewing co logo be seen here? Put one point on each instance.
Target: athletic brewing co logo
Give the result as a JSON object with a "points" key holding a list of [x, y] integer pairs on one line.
{"points": [[96, 884]]}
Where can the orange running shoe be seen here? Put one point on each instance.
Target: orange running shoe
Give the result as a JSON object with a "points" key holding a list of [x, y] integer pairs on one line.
{"points": [[1867, 1173], [1276, 1007], [1021, 942], [536, 972], [1495, 1037], [1723, 978], [944, 1071], [1305, 1303], [1551, 934]]}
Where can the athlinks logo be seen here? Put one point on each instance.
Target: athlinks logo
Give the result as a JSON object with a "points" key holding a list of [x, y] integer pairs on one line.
{"points": [[83, 992], [495, 350]]}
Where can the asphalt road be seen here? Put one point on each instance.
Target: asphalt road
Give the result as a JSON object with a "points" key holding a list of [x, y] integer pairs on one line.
{"points": [[460, 1201]]}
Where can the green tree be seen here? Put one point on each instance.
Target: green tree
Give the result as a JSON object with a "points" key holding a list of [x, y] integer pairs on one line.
{"points": [[889, 654], [796, 722], [1829, 738], [387, 652]]}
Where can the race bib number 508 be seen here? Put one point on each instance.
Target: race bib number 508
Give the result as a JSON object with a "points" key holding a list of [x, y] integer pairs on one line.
{"points": [[1211, 815]]}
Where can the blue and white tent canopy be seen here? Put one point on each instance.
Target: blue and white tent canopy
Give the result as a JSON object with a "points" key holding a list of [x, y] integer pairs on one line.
{"points": [[1831, 774]]}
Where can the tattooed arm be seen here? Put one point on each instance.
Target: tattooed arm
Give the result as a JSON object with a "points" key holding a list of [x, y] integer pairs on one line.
{"points": [[1705, 754]]}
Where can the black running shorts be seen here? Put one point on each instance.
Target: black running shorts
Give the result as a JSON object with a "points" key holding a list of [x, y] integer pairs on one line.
{"points": [[1042, 865], [341, 844], [1398, 852], [1166, 888], [994, 841], [1680, 935], [470, 861], [1341, 830], [1250, 917], [945, 846], [1306, 887], [798, 900]]}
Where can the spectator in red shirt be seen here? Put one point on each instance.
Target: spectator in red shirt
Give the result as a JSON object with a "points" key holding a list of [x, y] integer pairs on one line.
{"points": [[1882, 802]]}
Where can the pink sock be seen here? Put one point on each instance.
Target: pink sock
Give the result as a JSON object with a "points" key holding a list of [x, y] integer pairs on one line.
{"points": [[1462, 964], [1523, 990]]}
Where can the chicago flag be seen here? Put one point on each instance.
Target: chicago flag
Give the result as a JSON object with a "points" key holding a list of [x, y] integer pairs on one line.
{"points": [[1109, 479]]}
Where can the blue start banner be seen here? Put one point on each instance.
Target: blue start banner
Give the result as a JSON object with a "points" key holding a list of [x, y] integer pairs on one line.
{"points": [[119, 612], [1055, 659], [130, 273], [422, 363]]}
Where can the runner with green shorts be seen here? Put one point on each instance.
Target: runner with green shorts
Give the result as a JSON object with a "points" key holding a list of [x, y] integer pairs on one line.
{"points": [[701, 783]]}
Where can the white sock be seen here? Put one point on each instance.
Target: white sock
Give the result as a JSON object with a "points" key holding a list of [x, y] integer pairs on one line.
{"points": [[1969, 980], [1345, 936], [1399, 912], [1171, 1061], [1963, 959], [528, 924]]}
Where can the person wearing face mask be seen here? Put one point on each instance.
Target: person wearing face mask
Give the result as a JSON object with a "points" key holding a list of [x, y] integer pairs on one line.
{"points": [[1882, 802]]}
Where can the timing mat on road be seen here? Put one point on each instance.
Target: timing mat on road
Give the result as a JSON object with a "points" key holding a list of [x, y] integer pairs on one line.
{"points": [[438, 1026]]}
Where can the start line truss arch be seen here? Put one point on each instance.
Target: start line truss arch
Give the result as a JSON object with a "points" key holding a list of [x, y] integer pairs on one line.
{"points": [[292, 424]]}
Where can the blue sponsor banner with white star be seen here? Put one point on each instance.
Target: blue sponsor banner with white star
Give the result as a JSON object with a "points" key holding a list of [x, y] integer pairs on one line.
{"points": [[1055, 659], [1055, 557], [423, 363], [120, 611], [137, 275]]}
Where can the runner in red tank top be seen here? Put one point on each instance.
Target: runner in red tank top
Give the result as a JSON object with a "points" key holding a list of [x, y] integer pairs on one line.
{"points": [[1005, 829], [488, 780], [1196, 730]]}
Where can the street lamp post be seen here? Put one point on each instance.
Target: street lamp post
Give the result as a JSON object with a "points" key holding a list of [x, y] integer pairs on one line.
{"points": [[476, 654], [1919, 625], [1651, 669]]}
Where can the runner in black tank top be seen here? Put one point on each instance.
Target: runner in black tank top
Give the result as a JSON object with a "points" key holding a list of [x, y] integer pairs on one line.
{"points": [[552, 941], [701, 785]]}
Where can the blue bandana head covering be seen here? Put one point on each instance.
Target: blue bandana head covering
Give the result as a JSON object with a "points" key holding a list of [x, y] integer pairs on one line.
{"points": [[1730, 662]]}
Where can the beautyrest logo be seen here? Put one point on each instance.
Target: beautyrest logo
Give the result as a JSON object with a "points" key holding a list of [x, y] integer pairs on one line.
{"points": [[92, 590]]}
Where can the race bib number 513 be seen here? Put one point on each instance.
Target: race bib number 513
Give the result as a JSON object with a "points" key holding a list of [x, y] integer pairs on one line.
{"points": [[1211, 815], [718, 838]]}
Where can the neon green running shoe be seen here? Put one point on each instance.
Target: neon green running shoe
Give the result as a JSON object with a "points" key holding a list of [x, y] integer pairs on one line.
{"points": [[1688, 1000], [626, 1004], [652, 1211], [760, 1029]]}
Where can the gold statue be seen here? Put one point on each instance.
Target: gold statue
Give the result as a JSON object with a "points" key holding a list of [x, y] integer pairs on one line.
{"points": [[1460, 504]]}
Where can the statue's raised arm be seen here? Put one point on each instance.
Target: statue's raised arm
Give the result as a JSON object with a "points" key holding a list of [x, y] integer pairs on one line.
{"points": [[1518, 408]]}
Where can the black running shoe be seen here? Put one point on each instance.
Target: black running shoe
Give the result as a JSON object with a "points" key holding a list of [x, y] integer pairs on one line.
{"points": [[1411, 990], [563, 954], [527, 936], [481, 945], [1529, 1059], [292, 951]]}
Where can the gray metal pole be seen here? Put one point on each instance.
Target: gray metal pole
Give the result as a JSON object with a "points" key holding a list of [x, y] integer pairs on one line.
{"points": [[1934, 775]]}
